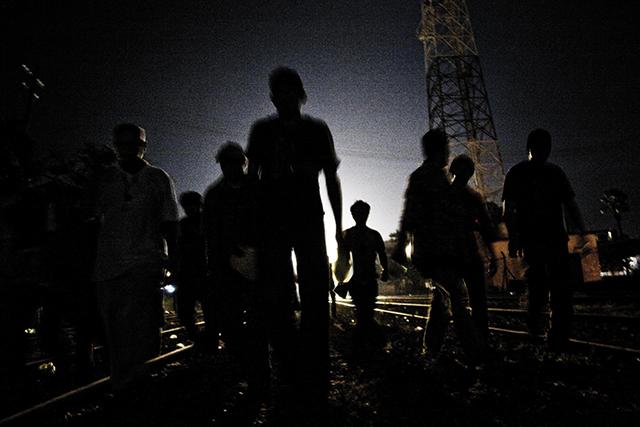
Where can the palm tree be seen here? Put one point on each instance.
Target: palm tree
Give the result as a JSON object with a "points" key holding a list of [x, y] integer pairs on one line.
{"points": [[614, 201]]}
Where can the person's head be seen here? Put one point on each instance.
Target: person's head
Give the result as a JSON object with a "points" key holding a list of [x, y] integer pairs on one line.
{"points": [[360, 212], [435, 147], [462, 168], [232, 160], [191, 202], [539, 145], [130, 141], [287, 90]]}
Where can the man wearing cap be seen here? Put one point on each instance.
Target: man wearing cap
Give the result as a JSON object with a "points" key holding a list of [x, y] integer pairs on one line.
{"points": [[233, 239], [137, 211], [286, 152]]}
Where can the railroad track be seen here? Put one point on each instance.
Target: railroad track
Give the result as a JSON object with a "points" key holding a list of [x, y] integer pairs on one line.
{"points": [[416, 302], [518, 311], [579, 298], [40, 361], [162, 358], [520, 333], [93, 386]]}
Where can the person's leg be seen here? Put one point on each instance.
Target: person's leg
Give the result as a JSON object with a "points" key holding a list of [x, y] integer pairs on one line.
{"points": [[232, 311], [451, 282], [538, 292], [257, 344], [186, 301], [147, 313], [107, 293], [476, 286], [313, 274], [437, 322], [209, 339], [561, 301], [373, 330], [83, 320], [130, 306], [275, 284], [358, 299]]}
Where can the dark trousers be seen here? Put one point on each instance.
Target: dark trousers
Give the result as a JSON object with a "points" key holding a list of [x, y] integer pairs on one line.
{"points": [[364, 294], [474, 278], [549, 279], [309, 359], [367, 333], [131, 309], [451, 288], [186, 298], [192, 289], [239, 309]]}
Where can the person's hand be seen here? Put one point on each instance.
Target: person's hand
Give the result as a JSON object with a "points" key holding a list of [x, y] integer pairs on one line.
{"points": [[385, 275], [493, 266]]}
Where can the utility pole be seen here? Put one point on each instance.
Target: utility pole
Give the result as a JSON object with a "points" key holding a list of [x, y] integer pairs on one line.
{"points": [[457, 99]]}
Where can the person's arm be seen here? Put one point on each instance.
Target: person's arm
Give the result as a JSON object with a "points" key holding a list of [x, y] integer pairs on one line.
{"points": [[252, 152], [169, 231], [406, 224], [571, 208], [510, 215], [169, 222], [210, 219], [382, 256], [489, 234], [334, 191], [330, 162]]}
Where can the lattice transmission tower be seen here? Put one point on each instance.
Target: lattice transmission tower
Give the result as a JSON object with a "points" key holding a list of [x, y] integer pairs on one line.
{"points": [[457, 99]]}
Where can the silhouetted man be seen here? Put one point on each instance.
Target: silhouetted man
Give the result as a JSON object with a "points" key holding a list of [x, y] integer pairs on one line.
{"points": [[433, 215], [192, 270], [535, 193], [233, 241], [476, 219], [365, 245], [138, 214], [287, 152]]}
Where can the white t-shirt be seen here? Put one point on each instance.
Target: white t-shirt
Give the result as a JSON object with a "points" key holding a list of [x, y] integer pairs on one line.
{"points": [[131, 209]]}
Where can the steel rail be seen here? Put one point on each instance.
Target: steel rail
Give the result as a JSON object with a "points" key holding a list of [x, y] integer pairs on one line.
{"points": [[95, 384], [595, 316], [88, 387], [100, 347], [584, 343]]}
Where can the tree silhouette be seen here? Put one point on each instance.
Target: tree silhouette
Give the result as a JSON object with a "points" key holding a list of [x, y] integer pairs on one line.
{"points": [[614, 201]]}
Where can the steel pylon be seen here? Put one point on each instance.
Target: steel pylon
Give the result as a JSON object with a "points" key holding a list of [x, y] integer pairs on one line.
{"points": [[457, 99]]}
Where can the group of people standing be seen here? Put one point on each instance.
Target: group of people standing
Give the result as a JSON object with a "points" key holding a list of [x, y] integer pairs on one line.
{"points": [[232, 251], [443, 217]]}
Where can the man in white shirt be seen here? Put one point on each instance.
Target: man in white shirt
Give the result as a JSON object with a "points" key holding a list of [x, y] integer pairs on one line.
{"points": [[137, 210]]}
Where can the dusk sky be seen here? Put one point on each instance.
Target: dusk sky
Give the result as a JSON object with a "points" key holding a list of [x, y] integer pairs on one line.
{"points": [[194, 74]]}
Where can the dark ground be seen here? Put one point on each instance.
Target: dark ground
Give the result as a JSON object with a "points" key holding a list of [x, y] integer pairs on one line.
{"points": [[395, 386]]}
